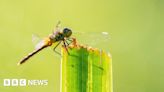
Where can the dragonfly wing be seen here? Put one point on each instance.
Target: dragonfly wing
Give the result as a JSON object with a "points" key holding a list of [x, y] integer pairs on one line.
{"points": [[36, 39], [91, 38], [40, 44]]}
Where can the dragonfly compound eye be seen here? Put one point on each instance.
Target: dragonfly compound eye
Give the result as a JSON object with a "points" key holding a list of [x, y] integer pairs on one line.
{"points": [[67, 32]]}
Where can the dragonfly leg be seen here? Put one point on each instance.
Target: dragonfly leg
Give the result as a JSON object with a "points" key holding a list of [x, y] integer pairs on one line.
{"points": [[65, 46], [72, 41], [57, 52], [68, 41], [55, 48]]}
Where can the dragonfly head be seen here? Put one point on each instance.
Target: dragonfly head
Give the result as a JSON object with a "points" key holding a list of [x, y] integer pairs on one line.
{"points": [[67, 32]]}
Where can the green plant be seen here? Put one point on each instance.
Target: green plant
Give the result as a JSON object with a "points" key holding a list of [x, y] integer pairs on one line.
{"points": [[86, 69]]}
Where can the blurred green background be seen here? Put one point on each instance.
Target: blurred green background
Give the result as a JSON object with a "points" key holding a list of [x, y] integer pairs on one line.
{"points": [[136, 28]]}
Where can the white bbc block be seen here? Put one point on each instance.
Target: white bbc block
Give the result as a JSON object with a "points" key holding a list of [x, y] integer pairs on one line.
{"points": [[6, 82], [22, 82], [14, 82]]}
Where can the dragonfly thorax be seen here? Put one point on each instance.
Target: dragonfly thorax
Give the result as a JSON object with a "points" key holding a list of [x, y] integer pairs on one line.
{"points": [[58, 36]]}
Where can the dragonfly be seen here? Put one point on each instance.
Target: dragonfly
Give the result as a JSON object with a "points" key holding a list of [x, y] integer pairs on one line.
{"points": [[68, 36], [57, 36]]}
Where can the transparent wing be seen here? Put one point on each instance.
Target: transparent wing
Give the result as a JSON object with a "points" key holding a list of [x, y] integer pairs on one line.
{"points": [[91, 38], [94, 39], [37, 41]]}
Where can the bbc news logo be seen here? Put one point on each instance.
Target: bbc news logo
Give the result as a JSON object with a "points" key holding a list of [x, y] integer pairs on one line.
{"points": [[24, 82], [14, 82]]}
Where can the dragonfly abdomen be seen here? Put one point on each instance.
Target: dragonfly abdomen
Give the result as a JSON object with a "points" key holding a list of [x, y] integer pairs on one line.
{"points": [[31, 54]]}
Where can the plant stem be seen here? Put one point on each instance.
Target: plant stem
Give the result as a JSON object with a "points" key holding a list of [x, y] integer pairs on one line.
{"points": [[86, 70]]}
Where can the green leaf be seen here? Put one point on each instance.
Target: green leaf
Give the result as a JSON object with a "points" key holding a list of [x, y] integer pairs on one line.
{"points": [[86, 70]]}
